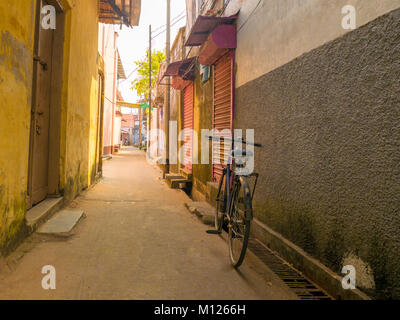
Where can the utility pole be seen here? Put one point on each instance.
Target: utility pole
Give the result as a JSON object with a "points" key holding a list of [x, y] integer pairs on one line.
{"points": [[168, 88], [149, 116], [140, 127]]}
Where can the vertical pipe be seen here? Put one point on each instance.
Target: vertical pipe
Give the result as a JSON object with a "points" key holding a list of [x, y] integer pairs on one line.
{"points": [[140, 127], [114, 91], [168, 88], [149, 116]]}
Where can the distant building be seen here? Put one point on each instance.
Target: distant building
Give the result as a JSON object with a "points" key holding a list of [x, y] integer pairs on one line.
{"points": [[130, 129], [113, 71]]}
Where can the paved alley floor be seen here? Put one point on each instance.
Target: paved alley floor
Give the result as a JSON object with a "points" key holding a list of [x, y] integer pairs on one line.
{"points": [[137, 241]]}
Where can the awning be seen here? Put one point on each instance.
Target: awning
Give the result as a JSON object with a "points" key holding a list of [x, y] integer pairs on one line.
{"points": [[203, 26], [179, 84], [182, 68], [120, 11], [222, 39], [121, 70]]}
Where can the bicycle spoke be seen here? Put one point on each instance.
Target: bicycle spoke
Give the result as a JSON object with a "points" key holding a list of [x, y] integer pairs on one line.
{"points": [[238, 225]]}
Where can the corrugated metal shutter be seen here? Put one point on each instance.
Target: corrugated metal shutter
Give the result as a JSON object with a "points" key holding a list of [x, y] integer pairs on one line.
{"points": [[222, 113], [188, 106]]}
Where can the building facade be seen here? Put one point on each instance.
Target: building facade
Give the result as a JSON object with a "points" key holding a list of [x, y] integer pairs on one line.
{"points": [[51, 93], [322, 97], [130, 128], [113, 72]]}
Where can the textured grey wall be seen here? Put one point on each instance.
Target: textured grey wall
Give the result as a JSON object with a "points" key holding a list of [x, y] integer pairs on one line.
{"points": [[330, 167]]}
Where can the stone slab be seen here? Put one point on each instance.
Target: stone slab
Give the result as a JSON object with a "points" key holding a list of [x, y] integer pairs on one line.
{"points": [[62, 223]]}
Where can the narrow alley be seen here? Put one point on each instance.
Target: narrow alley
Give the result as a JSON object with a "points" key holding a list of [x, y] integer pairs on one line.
{"points": [[137, 241], [200, 150]]}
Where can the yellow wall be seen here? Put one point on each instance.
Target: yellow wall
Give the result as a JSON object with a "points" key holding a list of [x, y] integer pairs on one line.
{"points": [[16, 64], [78, 110], [80, 100]]}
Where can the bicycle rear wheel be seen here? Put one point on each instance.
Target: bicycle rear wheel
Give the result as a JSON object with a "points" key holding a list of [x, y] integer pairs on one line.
{"points": [[239, 222]]}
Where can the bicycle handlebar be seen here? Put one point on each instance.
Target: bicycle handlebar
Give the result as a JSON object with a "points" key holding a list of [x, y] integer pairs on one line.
{"points": [[216, 138]]}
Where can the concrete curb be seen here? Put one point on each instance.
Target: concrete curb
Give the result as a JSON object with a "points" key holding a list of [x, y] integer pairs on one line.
{"points": [[106, 158], [310, 267], [201, 212]]}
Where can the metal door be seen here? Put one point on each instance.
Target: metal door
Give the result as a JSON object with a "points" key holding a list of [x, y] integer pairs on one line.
{"points": [[41, 113], [222, 111], [188, 106]]}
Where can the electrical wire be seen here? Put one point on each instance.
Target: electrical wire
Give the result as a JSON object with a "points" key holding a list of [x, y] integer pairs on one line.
{"points": [[166, 29], [163, 26], [248, 18], [152, 39], [123, 80]]}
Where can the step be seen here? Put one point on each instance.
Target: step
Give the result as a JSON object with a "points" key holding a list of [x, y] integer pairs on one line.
{"points": [[188, 175], [170, 176], [38, 214], [178, 183], [62, 223]]}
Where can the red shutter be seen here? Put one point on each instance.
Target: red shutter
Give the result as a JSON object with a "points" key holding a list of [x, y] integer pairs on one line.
{"points": [[222, 113], [188, 106]]}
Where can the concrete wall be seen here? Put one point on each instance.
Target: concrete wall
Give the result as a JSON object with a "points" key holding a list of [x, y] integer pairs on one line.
{"points": [[328, 121], [107, 45], [176, 100], [78, 105], [275, 32]]}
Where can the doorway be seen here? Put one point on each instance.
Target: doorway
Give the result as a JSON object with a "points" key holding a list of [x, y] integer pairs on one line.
{"points": [[44, 150], [100, 115]]}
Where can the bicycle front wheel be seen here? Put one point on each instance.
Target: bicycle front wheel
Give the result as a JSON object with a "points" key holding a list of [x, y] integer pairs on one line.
{"points": [[239, 222], [221, 204]]}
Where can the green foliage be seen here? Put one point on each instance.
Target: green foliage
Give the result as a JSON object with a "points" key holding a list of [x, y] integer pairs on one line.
{"points": [[141, 83]]}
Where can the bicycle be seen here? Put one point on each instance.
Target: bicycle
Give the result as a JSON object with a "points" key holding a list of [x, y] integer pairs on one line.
{"points": [[234, 202]]}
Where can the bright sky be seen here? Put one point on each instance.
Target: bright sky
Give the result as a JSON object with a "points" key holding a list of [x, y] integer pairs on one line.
{"points": [[133, 42]]}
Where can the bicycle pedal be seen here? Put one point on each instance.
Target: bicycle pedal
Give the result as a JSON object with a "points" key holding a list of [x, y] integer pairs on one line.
{"points": [[213, 232]]}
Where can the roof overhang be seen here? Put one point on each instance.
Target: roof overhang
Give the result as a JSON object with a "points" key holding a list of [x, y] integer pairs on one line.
{"points": [[120, 11], [203, 26], [121, 70], [179, 84], [221, 40], [182, 72]]}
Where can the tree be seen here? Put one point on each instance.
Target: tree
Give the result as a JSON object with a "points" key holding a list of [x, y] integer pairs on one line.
{"points": [[141, 83]]}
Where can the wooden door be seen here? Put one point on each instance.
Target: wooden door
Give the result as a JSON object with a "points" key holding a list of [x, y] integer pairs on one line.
{"points": [[41, 113]]}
